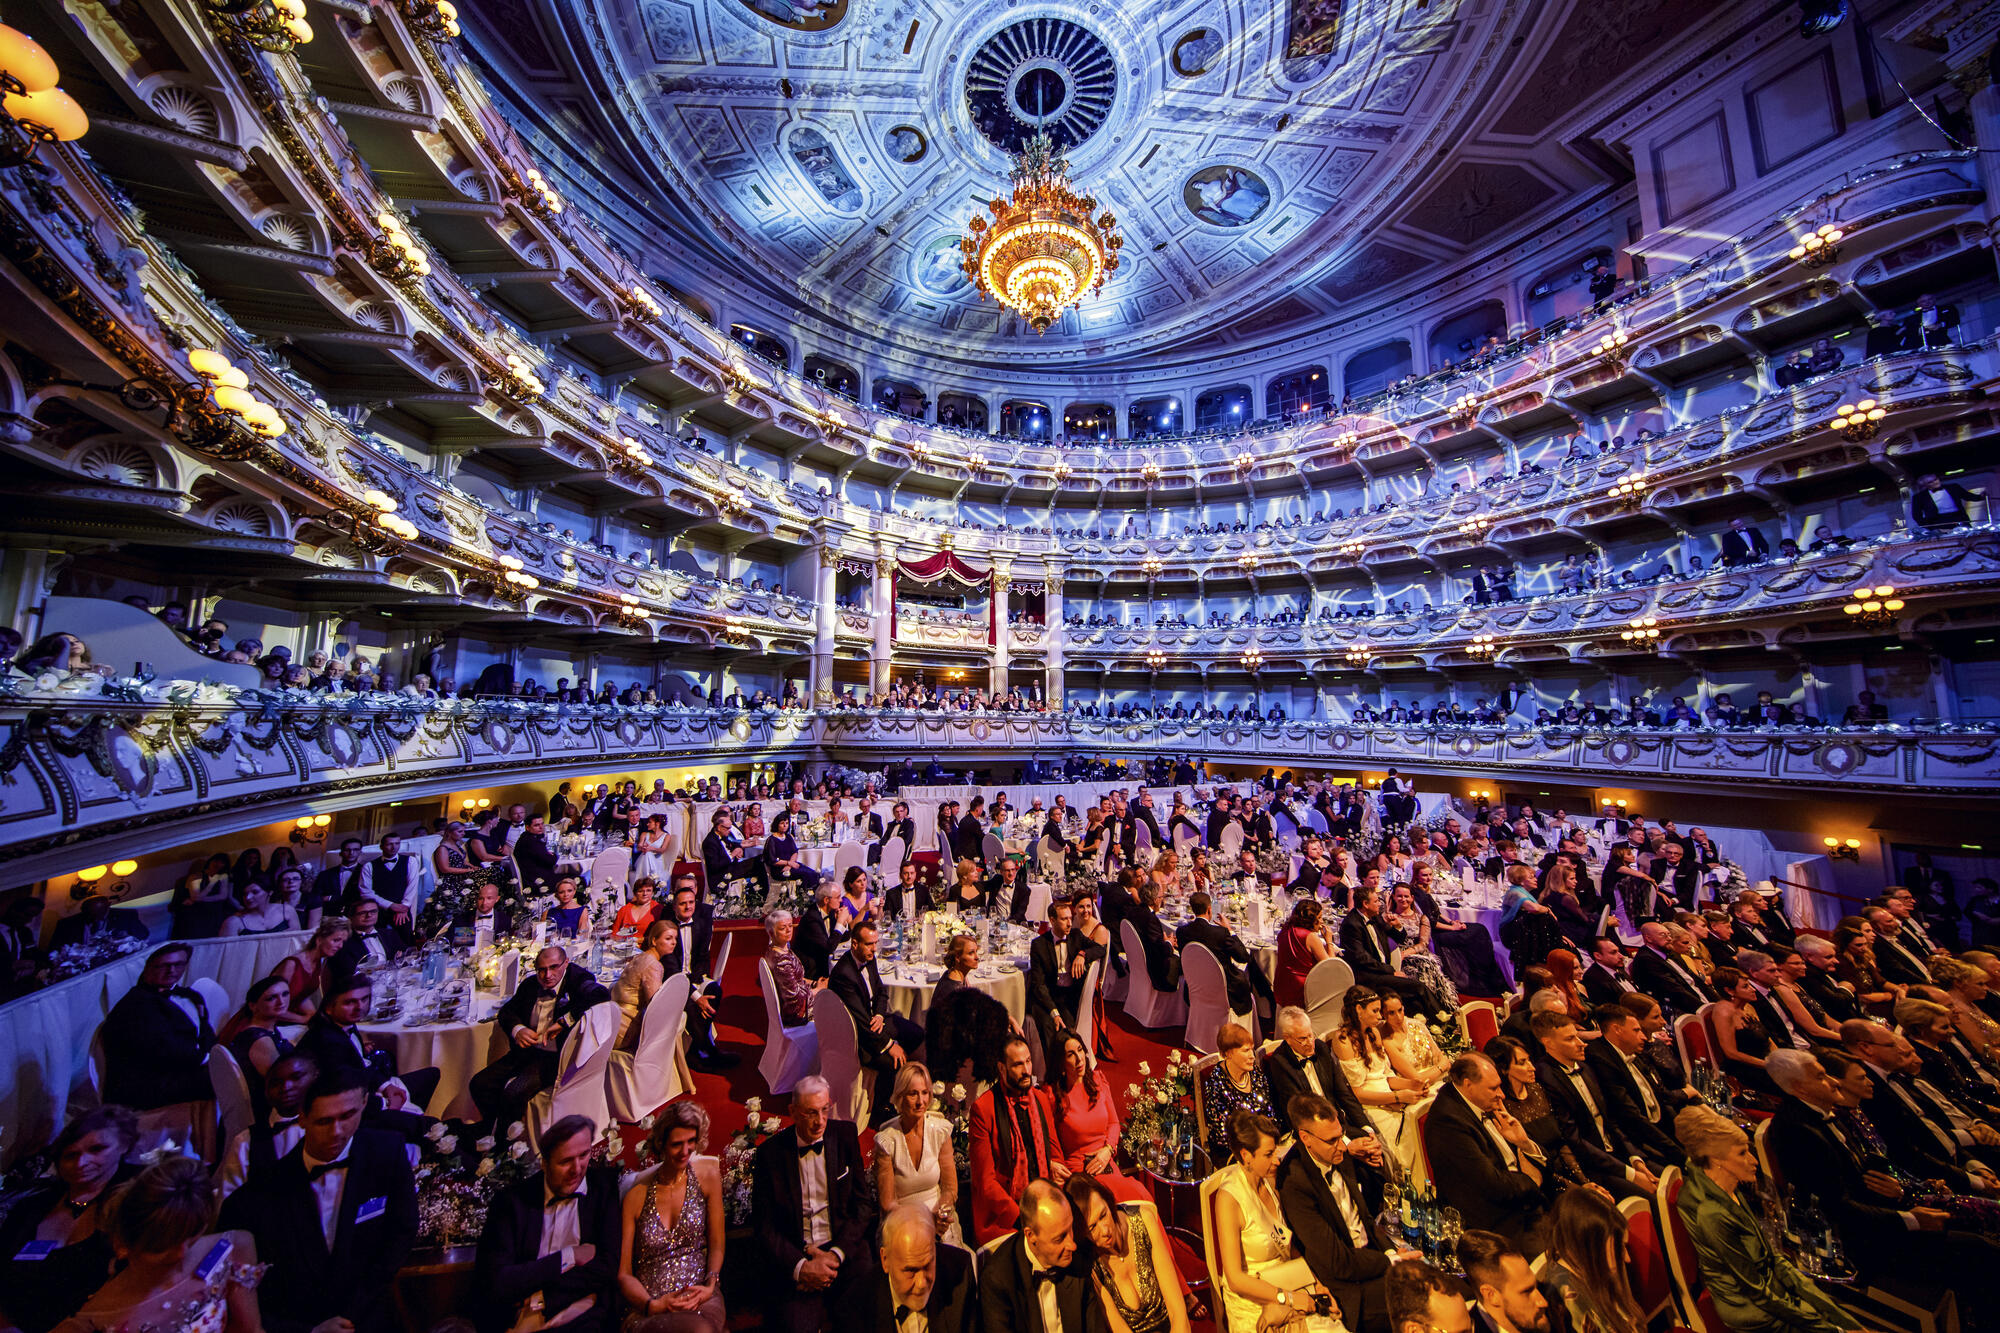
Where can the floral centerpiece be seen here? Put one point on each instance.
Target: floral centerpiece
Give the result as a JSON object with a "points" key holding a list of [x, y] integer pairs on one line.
{"points": [[1159, 1112], [75, 958], [1450, 1036], [455, 1188], [737, 1159]]}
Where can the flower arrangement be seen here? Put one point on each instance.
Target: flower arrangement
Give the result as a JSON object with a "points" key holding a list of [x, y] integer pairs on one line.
{"points": [[737, 1159], [1158, 1110], [75, 958], [1449, 1037], [455, 1188]]}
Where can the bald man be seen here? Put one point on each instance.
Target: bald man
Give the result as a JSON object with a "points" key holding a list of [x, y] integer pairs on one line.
{"points": [[1015, 1297], [923, 1286], [1662, 974]]}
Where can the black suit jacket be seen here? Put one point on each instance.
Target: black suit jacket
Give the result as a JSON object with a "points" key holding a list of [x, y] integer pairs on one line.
{"points": [[1160, 958], [1603, 1154], [778, 1217], [308, 1283], [845, 982], [1009, 1303], [1601, 987], [154, 1055], [718, 867], [1051, 989], [1134, 816], [968, 840], [1472, 1174], [1366, 946], [1900, 962], [1625, 1105], [330, 1048], [1680, 991], [1287, 1074], [953, 1306], [119, 921], [1354, 1274], [1228, 951], [818, 936], [510, 1265], [701, 935], [1816, 1159], [906, 829], [1738, 547], [578, 992], [355, 952], [535, 858], [1218, 820]]}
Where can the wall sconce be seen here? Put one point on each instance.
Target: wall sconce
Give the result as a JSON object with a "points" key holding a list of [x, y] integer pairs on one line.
{"points": [[1156, 658], [1463, 408], [229, 389], [1819, 247], [1613, 805], [1843, 849], [1244, 462], [1630, 493], [1358, 655], [36, 111], [519, 380], [468, 806], [1253, 660], [1352, 550], [87, 880], [513, 584], [1150, 471], [314, 827], [1480, 794], [1482, 645], [1859, 421], [1644, 634]]}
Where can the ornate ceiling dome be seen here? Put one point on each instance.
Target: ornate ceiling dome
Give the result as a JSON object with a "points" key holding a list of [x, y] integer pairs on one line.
{"points": [[1276, 168]]}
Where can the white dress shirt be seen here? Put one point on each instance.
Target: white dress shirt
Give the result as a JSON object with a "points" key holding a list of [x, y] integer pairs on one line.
{"points": [[562, 1232], [327, 1191], [814, 1200], [1045, 1293], [1645, 1087], [1343, 1198]]}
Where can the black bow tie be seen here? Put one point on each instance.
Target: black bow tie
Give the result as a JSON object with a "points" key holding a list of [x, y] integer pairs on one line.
{"points": [[555, 1199], [904, 1312], [315, 1172], [283, 1121], [1048, 1275], [365, 935], [808, 1149]]}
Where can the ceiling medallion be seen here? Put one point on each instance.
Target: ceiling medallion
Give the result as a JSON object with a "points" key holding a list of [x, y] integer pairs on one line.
{"points": [[1040, 74], [1043, 251]]}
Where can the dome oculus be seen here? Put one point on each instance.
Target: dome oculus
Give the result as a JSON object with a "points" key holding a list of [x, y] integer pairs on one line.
{"points": [[1044, 70]]}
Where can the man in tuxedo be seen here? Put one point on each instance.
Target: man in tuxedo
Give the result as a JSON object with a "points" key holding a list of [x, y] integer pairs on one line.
{"points": [[901, 826], [1037, 1280], [1012, 1142], [534, 856], [1886, 1236], [156, 1038], [885, 1038], [95, 919], [1399, 799], [1366, 945], [1743, 544], [487, 916], [1220, 816], [1607, 977], [334, 1218], [1675, 874], [810, 1214], [1142, 812], [537, 1019], [1245, 981], [1057, 962], [1899, 962], [551, 1242], [820, 931], [908, 895], [725, 858], [258, 1145], [690, 949], [866, 822], [372, 941], [390, 881], [1483, 1161], [1329, 1198], [1941, 505], [920, 1287], [1901, 904], [333, 1040], [1582, 1109], [1639, 1107], [342, 880], [1746, 922], [1509, 1298], [1163, 962], [1302, 1064], [1659, 972]]}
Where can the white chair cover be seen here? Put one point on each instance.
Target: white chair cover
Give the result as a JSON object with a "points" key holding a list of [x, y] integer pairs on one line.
{"points": [[216, 998], [840, 1058], [609, 871], [718, 959], [1207, 997], [990, 849], [1142, 834], [580, 1082], [1146, 1006], [847, 857], [639, 1082], [1183, 836], [1231, 841], [1316, 820], [789, 1053], [893, 852], [1325, 985], [1086, 1012], [232, 1091]]}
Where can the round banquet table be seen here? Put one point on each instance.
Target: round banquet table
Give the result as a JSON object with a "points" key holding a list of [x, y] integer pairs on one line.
{"points": [[910, 985], [457, 1050]]}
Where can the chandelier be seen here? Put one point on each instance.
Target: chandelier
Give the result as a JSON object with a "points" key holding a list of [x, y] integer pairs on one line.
{"points": [[1042, 252]]}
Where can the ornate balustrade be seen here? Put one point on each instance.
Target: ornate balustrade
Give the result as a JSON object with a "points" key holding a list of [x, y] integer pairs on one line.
{"points": [[85, 779]]}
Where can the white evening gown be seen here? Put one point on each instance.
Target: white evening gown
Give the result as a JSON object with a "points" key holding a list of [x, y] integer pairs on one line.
{"points": [[1396, 1126], [1267, 1243], [918, 1182]]}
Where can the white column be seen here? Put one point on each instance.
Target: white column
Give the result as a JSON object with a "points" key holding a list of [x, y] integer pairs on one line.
{"points": [[825, 617], [878, 665], [1058, 634], [997, 674]]}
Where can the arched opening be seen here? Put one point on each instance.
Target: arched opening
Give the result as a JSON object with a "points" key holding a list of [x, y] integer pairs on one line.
{"points": [[901, 397], [763, 344], [1297, 392], [1224, 409], [1467, 334], [1026, 419], [832, 375], [1089, 422], [1376, 368], [961, 411], [1153, 416]]}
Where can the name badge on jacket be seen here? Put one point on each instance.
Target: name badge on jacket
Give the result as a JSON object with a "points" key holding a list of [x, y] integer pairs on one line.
{"points": [[372, 1209]]}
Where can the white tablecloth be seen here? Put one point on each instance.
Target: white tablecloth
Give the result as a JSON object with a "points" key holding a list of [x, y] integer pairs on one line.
{"points": [[911, 997], [45, 1036], [456, 1050]]}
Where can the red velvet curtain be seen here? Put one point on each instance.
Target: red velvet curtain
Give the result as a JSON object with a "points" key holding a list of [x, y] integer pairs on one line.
{"points": [[945, 565]]}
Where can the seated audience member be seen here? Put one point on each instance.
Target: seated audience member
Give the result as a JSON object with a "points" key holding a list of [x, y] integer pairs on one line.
{"points": [[1131, 1255], [964, 1027], [640, 910], [1385, 1094], [1756, 1289], [255, 1034], [1507, 1298], [156, 1038], [1087, 1124], [170, 1268], [1366, 944], [1638, 1105], [1583, 1109], [390, 881], [1482, 1160], [372, 943], [886, 1039], [1301, 1063], [275, 1129], [640, 981], [922, 1286], [1464, 948], [536, 1019], [1329, 1197], [1039, 1276], [1607, 978], [1889, 1237], [488, 918], [1235, 1082], [334, 1218], [1665, 974], [1590, 1261], [54, 1249], [671, 1273], [550, 1245], [1737, 1033], [1422, 1299], [1264, 1280], [913, 1154], [822, 928], [1013, 1142], [690, 949], [788, 971], [94, 920], [1935, 1134], [1244, 981], [340, 881], [1057, 962], [810, 1215], [1303, 941], [307, 971], [1163, 962], [334, 1040], [1525, 1100]]}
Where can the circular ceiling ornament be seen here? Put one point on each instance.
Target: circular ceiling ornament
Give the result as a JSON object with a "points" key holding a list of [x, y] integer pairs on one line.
{"points": [[906, 144], [1225, 195], [1046, 71], [1194, 50]]}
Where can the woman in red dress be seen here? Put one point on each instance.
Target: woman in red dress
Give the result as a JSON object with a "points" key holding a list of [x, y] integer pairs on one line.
{"points": [[1087, 1125], [1302, 942]]}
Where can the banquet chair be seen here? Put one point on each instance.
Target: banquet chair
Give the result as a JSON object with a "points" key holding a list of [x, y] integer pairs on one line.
{"points": [[1209, 1187], [1697, 1306], [1038, 1059], [790, 1053], [638, 1082], [1183, 838], [1423, 1162], [1760, 1143], [1328, 981], [990, 850], [718, 961], [1201, 1111], [1207, 998], [893, 853], [1316, 821], [1086, 1012], [609, 870], [215, 998], [579, 1088], [1146, 1006], [840, 1058], [1230, 844], [846, 857], [1649, 1272], [233, 1107], [1479, 1021]]}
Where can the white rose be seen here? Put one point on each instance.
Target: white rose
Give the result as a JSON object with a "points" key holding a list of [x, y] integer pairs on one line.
{"points": [[755, 1103], [517, 1130], [448, 1144], [518, 1151], [752, 1120], [485, 1144], [647, 1123], [437, 1131], [1133, 1092], [485, 1167], [1173, 1057], [1145, 1070], [770, 1124], [958, 1092], [1160, 1097]]}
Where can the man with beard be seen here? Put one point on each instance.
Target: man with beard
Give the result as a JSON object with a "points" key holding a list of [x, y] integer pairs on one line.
{"points": [[1013, 1143], [1509, 1300]]}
